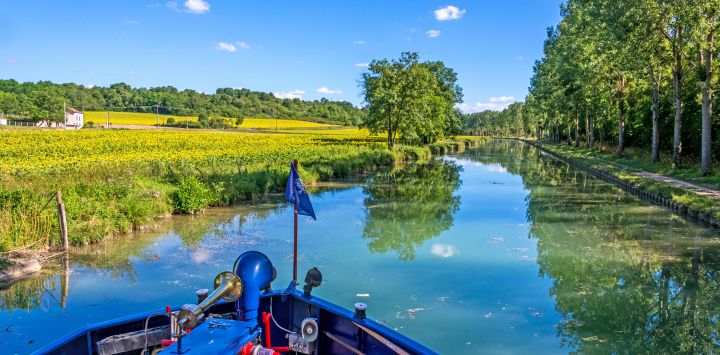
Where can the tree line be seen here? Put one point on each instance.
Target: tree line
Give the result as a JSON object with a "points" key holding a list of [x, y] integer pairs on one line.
{"points": [[43, 101], [508, 122], [630, 72]]}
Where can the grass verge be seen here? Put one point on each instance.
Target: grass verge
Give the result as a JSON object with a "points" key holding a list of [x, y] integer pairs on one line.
{"points": [[678, 199]]}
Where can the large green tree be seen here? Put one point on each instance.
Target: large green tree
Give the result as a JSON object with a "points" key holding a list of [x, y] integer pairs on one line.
{"points": [[411, 101], [48, 106]]}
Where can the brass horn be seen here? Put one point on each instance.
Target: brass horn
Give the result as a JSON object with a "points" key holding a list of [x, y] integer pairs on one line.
{"points": [[228, 287]]}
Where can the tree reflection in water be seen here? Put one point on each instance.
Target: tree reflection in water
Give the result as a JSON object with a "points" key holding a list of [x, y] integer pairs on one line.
{"points": [[627, 277], [28, 294], [408, 206], [117, 256]]}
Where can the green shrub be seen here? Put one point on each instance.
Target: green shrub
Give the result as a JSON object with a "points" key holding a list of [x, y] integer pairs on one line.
{"points": [[406, 152], [219, 122], [192, 196]]}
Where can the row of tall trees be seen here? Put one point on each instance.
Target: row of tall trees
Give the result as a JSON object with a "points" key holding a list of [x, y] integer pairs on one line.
{"points": [[412, 101], [508, 122], [638, 72], [44, 101]]}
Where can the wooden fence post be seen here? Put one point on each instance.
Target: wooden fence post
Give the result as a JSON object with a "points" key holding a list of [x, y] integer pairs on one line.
{"points": [[62, 220], [65, 281]]}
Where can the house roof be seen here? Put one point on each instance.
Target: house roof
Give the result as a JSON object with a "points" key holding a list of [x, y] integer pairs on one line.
{"points": [[72, 110]]}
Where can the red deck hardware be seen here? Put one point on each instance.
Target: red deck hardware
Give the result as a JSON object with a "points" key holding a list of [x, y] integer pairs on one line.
{"points": [[266, 320], [166, 342]]}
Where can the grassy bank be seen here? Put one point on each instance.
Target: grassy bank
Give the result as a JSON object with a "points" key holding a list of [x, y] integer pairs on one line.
{"points": [[637, 158], [114, 182], [624, 168], [456, 144]]}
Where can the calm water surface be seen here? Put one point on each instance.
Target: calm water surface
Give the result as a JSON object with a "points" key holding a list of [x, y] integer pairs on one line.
{"points": [[497, 250]]}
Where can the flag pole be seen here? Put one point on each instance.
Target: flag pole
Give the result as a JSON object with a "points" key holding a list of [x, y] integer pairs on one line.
{"points": [[295, 224]]}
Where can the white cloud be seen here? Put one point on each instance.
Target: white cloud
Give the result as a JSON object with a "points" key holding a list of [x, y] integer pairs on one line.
{"points": [[190, 6], [231, 47], [359, 42], [200, 256], [519, 57], [197, 6], [226, 47], [12, 61], [89, 86], [448, 13], [132, 72], [294, 94], [502, 99], [497, 103], [444, 250], [481, 106], [362, 65], [495, 168], [326, 91], [432, 33], [132, 22]]}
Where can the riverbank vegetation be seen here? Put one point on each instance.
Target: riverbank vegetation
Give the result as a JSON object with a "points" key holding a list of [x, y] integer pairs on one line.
{"points": [[684, 199], [115, 181], [43, 101], [638, 159], [628, 73]]}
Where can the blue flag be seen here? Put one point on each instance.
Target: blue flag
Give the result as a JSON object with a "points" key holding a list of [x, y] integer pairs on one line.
{"points": [[295, 193]]}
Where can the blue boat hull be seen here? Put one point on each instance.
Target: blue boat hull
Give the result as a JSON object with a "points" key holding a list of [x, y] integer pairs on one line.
{"points": [[338, 328]]}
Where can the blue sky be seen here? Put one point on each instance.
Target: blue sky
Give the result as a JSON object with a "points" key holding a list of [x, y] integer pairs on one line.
{"points": [[291, 48]]}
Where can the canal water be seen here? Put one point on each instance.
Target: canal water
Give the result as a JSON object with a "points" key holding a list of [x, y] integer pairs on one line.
{"points": [[501, 249]]}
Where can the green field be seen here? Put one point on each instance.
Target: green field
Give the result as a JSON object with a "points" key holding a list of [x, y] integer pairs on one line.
{"points": [[151, 119]]}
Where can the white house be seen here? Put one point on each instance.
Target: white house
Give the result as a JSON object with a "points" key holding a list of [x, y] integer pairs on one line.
{"points": [[74, 119]]}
